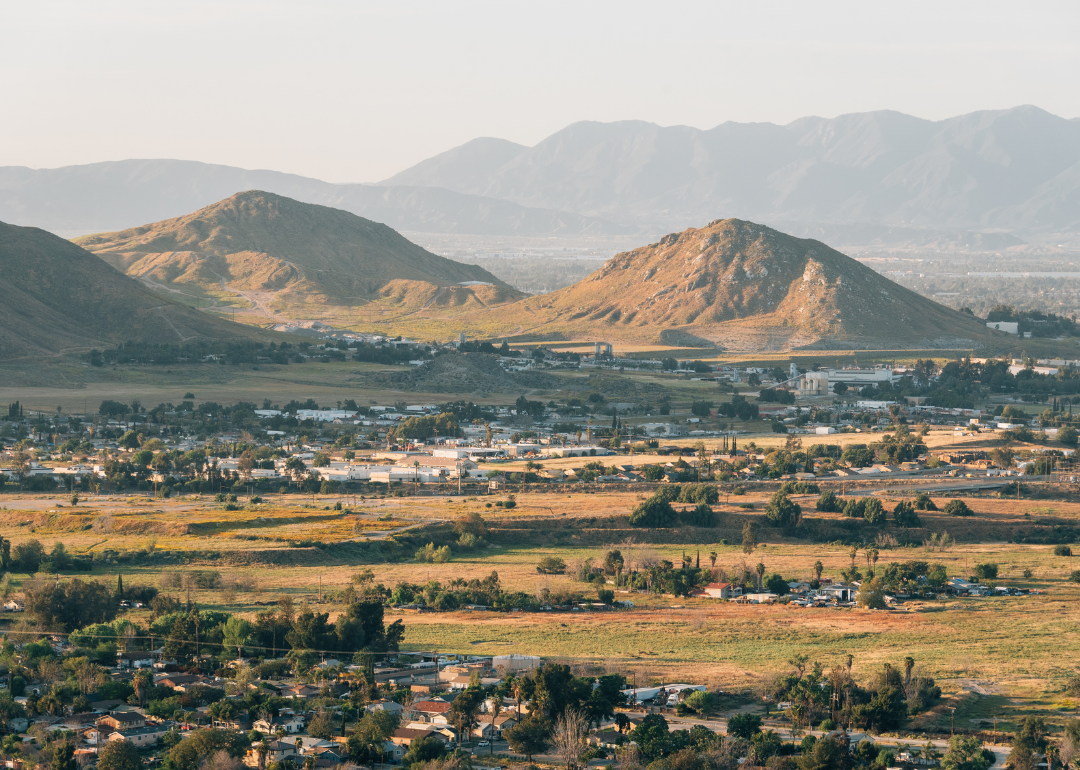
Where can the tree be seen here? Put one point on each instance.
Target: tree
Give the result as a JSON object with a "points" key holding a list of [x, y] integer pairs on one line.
{"points": [[63, 757], [236, 633], [904, 515], [828, 502], [119, 755], [1068, 436], [966, 753], [422, 751], [749, 538], [652, 737], [744, 725], [818, 569], [656, 512], [530, 736], [924, 503], [958, 508], [874, 511], [551, 565], [872, 595], [569, 736], [781, 512], [827, 754]]}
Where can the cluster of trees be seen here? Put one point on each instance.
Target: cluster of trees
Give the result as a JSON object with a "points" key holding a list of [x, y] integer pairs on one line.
{"points": [[872, 510], [427, 426], [657, 511]]}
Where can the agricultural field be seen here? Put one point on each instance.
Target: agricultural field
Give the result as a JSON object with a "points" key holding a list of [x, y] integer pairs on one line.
{"points": [[1019, 649]]}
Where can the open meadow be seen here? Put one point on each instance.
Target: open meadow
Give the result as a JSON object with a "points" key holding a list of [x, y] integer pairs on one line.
{"points": [[1020, 649]]}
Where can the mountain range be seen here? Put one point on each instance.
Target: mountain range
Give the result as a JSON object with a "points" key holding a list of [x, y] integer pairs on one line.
{"points": [[61, 299], [290, 261], [115, 195], [985, 180], [1015, 170]]}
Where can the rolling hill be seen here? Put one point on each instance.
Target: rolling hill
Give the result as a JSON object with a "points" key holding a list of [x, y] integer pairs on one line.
{"points": [[292, 261], [737, 285], [1016, 170], [60, 298]]}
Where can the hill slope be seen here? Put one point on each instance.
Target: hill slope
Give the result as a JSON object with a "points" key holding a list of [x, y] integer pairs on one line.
{"points": [[296, 261], [743, 286], [1016, 169], [113, 195], [61, 298]]}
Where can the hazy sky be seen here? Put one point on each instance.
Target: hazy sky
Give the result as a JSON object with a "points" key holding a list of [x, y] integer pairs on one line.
{"points": [[355, 91]]}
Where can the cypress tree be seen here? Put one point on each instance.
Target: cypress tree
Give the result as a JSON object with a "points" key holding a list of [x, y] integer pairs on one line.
{"points": [[119, 587]]}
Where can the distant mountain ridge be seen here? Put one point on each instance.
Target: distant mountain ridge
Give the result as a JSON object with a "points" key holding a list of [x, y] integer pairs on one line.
{"points": [[116, 195], [1015, 170]]}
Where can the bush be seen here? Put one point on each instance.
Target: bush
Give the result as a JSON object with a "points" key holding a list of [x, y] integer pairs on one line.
{"points": [[699, 493], [873, 511], [855, 507], [551, 565], [700, 516], [781, 512], [1062, 550], [988, 571], [904, 515], [958, 508], [829, 502], [432, 555], [1075, 576], [653, 513], [799, 488], [924, 503]]}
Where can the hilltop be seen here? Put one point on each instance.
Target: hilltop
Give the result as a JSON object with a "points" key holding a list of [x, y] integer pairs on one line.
{"points": [[743, 286], [289, 260], [59, 298]]}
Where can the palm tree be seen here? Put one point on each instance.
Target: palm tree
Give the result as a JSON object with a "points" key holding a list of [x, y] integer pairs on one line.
{"points": [[760, 569], [712, 558], [818, 569], [496, 708], [261, 751]]}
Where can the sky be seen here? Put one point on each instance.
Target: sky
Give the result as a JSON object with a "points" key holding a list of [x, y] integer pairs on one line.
{"points": [[356, 91]]}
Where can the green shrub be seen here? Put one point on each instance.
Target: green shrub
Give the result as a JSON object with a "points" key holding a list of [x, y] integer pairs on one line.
{"points": [[828, 502], [958, 508], [924, 503], [904, 515], [781, 512], [700, 516], [1062, 550]]}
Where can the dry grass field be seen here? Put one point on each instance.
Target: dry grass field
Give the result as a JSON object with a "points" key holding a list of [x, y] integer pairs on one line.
{"points": [[1021, 648]]}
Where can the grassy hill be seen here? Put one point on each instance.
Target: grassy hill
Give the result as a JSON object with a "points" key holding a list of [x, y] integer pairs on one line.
{"points": [[284, 260], [737, 285], [60, 298]]}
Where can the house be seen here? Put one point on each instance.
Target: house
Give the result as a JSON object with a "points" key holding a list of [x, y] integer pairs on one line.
{"points": [[301, 691], [289, 723], [143, 736], [279, 751], [431, 708], [122, 720], [385, 705], [722, 590], [404, 736], [137, 659], [838, 592], [606, 739]]}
